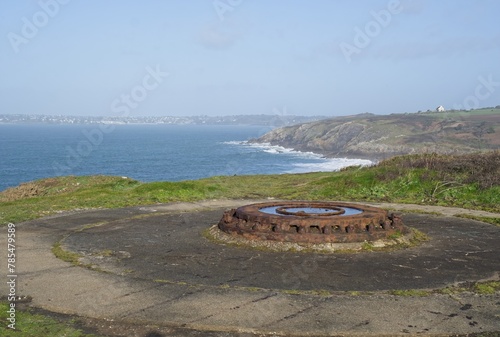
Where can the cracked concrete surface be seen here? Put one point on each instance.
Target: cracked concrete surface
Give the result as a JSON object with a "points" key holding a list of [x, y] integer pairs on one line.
{"points": [[163, 272]]}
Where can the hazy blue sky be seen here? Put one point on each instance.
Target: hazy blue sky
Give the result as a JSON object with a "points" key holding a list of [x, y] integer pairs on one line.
{"points": [[303, 57]]}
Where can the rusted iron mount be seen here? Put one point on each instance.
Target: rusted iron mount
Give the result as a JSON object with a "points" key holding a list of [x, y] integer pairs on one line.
{"points": [[311, 222]]}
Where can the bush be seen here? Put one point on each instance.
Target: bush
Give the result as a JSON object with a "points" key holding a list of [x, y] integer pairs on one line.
{"points": [[482, 169]]}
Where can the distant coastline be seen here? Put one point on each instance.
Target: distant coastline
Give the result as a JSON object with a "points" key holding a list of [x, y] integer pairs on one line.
{"points": [[264, 120]]}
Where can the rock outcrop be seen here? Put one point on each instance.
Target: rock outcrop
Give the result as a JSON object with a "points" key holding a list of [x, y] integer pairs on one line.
{"points": [[377, 137]]}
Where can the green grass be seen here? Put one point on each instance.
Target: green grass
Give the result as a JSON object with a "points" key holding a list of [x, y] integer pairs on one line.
{"points": [[65, 255], [480, 288], [396, 235], [410, 293], [71, 257], [318, 292], [493, 221], [487, 288], [29, 324], [422, 179]]}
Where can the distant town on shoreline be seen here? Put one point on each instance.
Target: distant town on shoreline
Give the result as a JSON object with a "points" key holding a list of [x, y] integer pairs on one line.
{"points": [[274, 120], [267, 120]]}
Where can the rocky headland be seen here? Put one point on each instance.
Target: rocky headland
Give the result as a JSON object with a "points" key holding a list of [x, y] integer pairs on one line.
{"points": [[378, 137]]}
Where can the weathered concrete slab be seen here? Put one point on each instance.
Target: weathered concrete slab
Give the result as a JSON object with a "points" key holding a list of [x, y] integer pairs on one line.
{"points": [[171, 247], [163, 272]]}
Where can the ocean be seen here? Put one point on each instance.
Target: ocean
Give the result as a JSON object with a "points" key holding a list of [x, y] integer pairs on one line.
{"points": [[147, 152]]}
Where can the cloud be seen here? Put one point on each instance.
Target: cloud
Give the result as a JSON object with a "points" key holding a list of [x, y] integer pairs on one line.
{"points": [[219, 35]]}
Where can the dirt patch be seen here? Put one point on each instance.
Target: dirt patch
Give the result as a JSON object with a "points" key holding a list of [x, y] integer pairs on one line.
{"points": [[26, 190], [33, 189], [57, 185]]}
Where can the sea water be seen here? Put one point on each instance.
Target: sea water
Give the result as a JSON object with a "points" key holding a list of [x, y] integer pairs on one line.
{"points": [[147, 152]]}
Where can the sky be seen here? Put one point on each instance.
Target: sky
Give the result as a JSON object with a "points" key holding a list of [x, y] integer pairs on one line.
{"points": [[232, 57]]}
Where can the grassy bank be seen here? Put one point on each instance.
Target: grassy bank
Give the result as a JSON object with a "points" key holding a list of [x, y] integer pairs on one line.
{"points": [[30, 324], [469, 181]]}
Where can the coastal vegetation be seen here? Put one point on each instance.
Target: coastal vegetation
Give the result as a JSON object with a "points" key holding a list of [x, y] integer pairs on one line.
{"points": [[470, 181]]}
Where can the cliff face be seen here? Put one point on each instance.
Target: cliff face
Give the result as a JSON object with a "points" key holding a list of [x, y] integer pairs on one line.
{"points": [[381, 136]]}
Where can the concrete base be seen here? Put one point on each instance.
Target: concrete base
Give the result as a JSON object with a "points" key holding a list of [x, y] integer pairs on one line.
{"points": [[163, 272]]}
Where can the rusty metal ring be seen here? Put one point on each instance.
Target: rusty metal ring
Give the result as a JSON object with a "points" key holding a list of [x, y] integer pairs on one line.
{"points": [[368, 224]]}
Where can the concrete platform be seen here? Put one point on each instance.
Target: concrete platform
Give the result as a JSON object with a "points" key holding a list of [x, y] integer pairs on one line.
{"points": [[155, 267]]}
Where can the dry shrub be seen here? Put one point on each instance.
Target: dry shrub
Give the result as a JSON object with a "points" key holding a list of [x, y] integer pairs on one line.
{"points": [[26, 190], [482, 169]]}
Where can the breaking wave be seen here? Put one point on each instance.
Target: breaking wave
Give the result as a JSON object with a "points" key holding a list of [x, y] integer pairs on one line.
{"points": [[302, 162]]}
